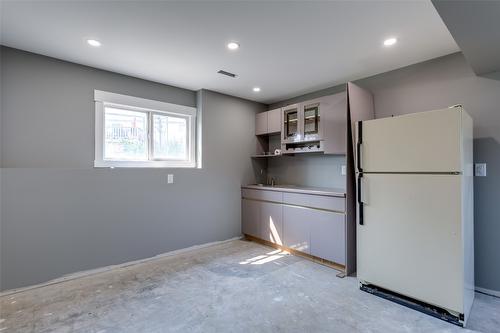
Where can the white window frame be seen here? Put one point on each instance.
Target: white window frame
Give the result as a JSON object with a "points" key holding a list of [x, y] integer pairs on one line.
{"points": [[151, 107]]}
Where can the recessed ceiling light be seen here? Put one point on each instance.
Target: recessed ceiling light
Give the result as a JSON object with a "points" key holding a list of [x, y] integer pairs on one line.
{"points": [[390, 41], [93, 42], [233, 45], [256, 89]]}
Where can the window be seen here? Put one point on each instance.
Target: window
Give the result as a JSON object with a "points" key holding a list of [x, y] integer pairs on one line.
{"points": [[136, 132]]}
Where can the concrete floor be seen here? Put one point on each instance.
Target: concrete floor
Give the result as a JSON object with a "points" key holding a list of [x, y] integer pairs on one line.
{"points": [[237, 286]]}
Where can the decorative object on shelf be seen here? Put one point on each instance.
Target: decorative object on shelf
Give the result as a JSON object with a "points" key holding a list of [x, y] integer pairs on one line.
{"points": [[277, 152]]}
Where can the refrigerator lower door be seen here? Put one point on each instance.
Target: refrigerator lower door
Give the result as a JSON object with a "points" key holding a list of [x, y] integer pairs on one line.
{"points": [[411, 239]]}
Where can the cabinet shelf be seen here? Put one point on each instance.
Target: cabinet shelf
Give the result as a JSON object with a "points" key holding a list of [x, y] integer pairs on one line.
{"points": [[264, 156]]}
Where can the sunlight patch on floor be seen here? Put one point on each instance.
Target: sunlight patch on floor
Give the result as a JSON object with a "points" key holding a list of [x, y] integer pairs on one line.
{"points": [[263, 259]]}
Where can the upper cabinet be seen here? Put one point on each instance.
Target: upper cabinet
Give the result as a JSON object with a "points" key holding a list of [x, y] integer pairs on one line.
{"points": [[268, 122], [261, 123], [274, 121], [318, 125]]}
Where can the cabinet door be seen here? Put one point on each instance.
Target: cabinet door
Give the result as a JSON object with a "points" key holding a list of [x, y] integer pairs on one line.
{"points": [[261, 123], [274, 121], [296, 228], [311, 119], [327, 235], [334, 123], [290, 129], [271, 222], [250, 217]]}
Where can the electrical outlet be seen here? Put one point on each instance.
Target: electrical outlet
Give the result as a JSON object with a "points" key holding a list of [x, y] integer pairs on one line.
{"points": [[343, 170], [480, 170], [170, 178]]}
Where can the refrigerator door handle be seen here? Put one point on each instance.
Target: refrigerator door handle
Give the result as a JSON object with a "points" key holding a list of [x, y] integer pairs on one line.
{"points": [[358, 154], [358, 146], [360, 201]]}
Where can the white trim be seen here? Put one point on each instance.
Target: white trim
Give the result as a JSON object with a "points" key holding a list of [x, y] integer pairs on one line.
{"points": [[151, 107], [143, 164], [488, 291], [99, 132], [141, 103], [82, 274], [199, 152]]}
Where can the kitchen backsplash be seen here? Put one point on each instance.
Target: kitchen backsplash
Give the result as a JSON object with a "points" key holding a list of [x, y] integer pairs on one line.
{"points": [[310, 170]]}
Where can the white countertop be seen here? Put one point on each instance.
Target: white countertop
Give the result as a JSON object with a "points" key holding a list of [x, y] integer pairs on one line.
{"points": [[334, 192]]}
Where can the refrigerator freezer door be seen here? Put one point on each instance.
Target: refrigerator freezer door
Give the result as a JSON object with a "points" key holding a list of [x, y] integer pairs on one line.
{"points": [[419, 142], [411, 241]]}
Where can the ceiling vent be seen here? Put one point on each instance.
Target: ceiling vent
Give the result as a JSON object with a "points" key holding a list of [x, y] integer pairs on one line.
{"points": [[227, 73]]}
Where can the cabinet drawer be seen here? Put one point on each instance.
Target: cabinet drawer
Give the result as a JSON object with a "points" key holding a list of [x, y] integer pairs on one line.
{"points": [[315, 201], [262, 195]]}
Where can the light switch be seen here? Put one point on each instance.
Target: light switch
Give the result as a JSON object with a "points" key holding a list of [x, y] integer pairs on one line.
{"points": [[343, 170], [480, 170], [170, 178]]}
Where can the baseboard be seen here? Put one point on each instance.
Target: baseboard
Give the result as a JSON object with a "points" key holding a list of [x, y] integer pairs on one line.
{"points": [[81, 274], [488, 291]]}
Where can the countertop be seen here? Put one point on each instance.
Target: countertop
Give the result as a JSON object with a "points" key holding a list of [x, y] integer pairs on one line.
{"points": [[334, 192]]}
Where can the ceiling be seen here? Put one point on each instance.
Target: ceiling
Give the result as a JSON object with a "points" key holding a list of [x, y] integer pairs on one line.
{"points": [[475, 25], [287, 48]]}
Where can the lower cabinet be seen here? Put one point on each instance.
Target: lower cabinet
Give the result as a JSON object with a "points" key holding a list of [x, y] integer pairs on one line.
{"points": [[296, 228], [314, 231], [250, 217], [327, 231], [271, 222]]}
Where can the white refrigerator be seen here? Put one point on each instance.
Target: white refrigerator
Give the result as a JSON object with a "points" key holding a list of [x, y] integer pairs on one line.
{"points": [[415, 211]]}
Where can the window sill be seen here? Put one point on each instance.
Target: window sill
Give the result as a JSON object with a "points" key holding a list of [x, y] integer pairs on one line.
{"points": [[144, 164]]}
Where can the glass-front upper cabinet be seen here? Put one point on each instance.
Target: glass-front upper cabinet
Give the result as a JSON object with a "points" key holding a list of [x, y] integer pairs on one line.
{"points": [[291, 123], [311, 121]]}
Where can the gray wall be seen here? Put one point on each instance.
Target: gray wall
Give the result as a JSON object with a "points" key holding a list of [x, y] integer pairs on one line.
{"points": [[60, 215], [441, 83], [306, 97], [308, 170]]}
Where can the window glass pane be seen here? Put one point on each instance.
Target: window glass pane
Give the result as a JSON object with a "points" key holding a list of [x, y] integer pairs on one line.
{"points": [[126, 134], [311, 120], [291, 123], [170, 137]]}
